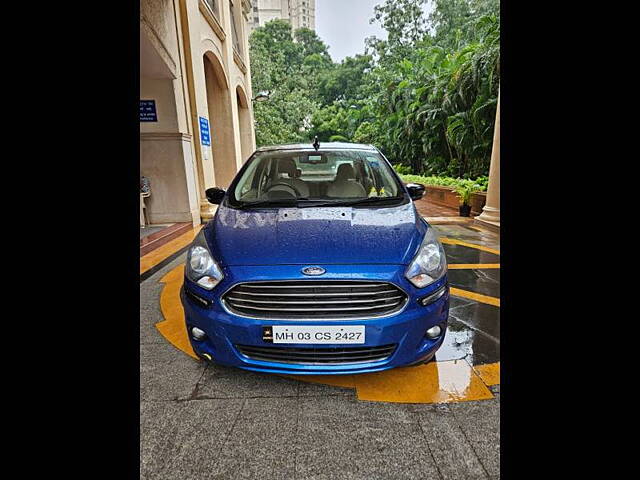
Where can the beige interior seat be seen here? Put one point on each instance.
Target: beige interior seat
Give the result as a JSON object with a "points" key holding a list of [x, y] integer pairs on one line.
{"points": [[288, 166], [344, 185]]}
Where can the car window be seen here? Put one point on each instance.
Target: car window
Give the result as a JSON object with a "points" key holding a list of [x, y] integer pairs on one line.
{"points": [[329, 175]]}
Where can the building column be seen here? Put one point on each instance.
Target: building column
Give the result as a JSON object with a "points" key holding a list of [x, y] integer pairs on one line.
{"points": [[490, 215], [185, 39], [246, 31], [232, 105]]}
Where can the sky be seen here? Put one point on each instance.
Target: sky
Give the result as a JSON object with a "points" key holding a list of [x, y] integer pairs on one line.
{"points": [[344, 24]]}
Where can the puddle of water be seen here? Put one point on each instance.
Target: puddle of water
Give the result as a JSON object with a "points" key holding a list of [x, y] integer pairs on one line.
{"points": [[473, 333], [435, 382]]}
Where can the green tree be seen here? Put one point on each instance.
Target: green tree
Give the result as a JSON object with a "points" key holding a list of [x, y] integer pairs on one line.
{"points": [[406, 27], [437, 105], [281, 62], [344, 82], [426, 95], [453, 21], [312, 44]]}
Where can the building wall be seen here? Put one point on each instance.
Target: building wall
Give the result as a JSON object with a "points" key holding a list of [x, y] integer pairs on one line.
{"points": [[300, 13], [192, 67]]}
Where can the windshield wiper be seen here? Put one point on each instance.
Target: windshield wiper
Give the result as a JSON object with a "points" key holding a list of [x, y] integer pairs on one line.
{"points": [[310, 203], [269, 203], [348, 203]]}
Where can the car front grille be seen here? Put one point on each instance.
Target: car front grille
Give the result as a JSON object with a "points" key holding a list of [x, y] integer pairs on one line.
{"points": [[310, 356], [314, 299]]}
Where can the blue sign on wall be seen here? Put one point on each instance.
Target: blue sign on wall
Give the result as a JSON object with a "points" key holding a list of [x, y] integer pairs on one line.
{"points": [[205, 138], [148, 111]]}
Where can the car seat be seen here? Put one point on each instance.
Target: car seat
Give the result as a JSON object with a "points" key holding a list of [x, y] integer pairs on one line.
{"points": [[344, 185], [288, 166]]}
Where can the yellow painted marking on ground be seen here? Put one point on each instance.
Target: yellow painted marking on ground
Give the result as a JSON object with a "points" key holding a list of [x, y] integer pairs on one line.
{"points": [[453, 241], [463, 266], [156, 256], [475, 296], [173, 327], [489, 373], [435, 382]]}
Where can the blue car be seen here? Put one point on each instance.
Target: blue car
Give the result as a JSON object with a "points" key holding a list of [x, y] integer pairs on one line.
{"points": [[316, 262]]}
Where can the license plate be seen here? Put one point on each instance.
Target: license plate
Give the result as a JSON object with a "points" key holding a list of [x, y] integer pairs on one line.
{"points": [[329, 334]]}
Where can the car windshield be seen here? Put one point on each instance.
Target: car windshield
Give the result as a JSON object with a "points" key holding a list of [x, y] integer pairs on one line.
{"points": [[332, 177]]}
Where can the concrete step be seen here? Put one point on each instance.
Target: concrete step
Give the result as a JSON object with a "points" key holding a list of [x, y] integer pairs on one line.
{"points": [[157, 239]]}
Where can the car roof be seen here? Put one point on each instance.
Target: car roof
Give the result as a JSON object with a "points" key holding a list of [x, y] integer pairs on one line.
{"points": [[323, 146]]}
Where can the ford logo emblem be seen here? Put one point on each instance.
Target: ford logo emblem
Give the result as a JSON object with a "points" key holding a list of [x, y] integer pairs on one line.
{"points": [[313, 270]]}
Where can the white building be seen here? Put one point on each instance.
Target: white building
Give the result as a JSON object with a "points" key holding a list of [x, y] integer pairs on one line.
{"points": [[300, 13], [196, 112]]}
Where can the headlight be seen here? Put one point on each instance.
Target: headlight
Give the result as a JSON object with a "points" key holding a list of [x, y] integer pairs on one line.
{"points": [[430, 262], [201, 268]]}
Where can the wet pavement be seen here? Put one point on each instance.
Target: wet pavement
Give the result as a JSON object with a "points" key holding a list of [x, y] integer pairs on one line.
{"points": [[461, 254], [474, 327], [484, 281], [427, 208], [206, 421], [473, 333]]}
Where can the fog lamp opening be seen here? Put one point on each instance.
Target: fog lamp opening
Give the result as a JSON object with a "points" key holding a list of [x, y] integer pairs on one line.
{"points": [[434, 332], [198, 334]]}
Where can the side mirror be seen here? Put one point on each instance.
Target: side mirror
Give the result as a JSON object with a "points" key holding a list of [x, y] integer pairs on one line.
{"points": [[215, 195], [416, 190]]}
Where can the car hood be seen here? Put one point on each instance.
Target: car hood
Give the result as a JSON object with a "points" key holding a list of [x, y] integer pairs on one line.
{"points": [[323, 235]]}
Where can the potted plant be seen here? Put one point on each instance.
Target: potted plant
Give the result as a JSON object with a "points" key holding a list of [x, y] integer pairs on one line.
{"points": [[464, 191]]}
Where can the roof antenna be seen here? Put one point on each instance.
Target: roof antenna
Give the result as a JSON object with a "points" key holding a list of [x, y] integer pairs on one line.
{"points": [[316, 143]]}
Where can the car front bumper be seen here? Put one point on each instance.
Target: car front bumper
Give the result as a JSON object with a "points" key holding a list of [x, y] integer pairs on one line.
{"points": [[405, 329]]}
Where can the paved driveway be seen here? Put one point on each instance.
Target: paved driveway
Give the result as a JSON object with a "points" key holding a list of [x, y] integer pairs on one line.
{"points": [[212, 422]]}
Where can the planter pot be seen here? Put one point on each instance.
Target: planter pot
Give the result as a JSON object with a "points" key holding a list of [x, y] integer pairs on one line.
{"points": [[448, 198], [478, 200], [465, 210]]}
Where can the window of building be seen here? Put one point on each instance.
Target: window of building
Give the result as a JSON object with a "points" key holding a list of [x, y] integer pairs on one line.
{"points": [[235, 38], [213, 5]]}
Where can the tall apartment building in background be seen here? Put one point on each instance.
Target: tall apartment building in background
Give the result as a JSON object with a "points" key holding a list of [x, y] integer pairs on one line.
{"points": [[300, 13]]}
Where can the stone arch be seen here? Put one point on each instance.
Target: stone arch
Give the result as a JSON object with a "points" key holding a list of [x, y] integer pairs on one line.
{"points": [[220, 120], [213, 52]]}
